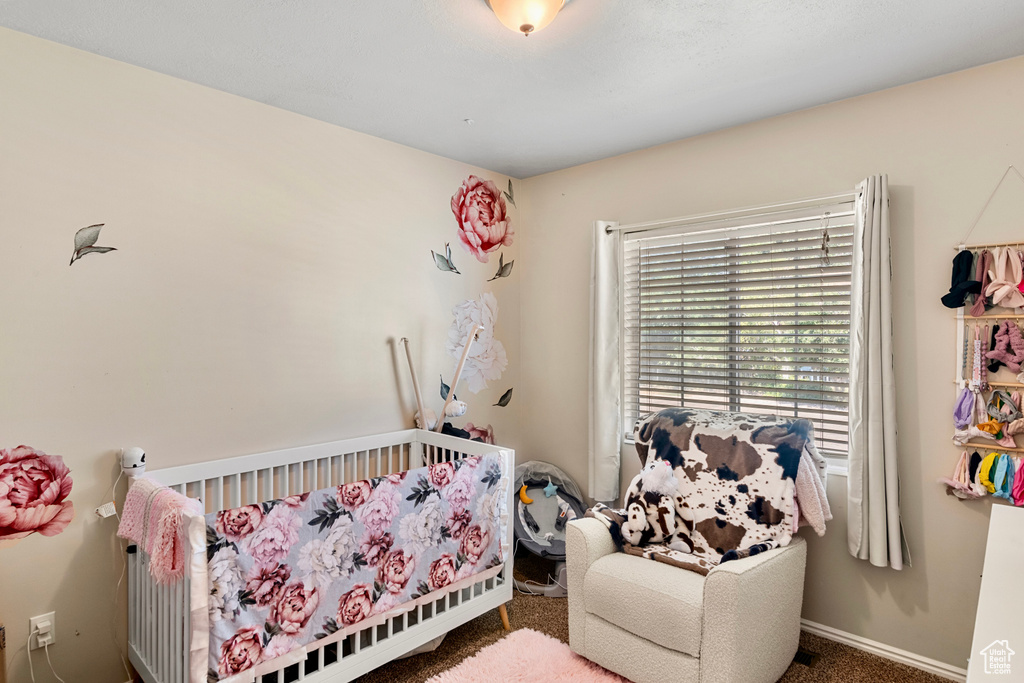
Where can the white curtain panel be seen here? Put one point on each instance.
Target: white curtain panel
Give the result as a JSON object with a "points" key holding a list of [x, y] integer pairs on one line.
{"points": [[874, 529], [605, 377]]}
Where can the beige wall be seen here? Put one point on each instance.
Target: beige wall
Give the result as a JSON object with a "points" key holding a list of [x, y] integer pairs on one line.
{"points": [[263, 262], [944, 143]]}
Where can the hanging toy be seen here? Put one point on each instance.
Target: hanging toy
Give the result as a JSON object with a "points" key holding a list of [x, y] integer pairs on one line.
{"points": [[455, 409], [431, 420], [523, 497], [477, 329]]}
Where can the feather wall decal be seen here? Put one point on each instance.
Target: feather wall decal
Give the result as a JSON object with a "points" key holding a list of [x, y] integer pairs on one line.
{"points": [[505, 398], [510, 195], [504, 269], [84, 241], [444, 263], [444, 391]]}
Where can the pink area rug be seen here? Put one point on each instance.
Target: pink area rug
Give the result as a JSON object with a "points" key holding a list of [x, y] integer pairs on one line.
{"points": [[526, 655]]}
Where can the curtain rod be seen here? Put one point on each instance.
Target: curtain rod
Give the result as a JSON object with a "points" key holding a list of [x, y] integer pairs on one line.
{"points": [[750, 211]]}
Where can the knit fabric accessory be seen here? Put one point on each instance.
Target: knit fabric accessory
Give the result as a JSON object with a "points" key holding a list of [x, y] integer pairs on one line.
{"points": [[953, 483], [962, 436], [982, 264], [1008, 347], [960, 484], [964, 408], [152, 518], [1003, 477], [961, 283], [976, 480], [1015, 427], [972, 466], [993, 427], [985, 472], [1005, 274], [993, 365], [1020, 287], [1001, 407], [1018, 486], [980, 409], [978, 271]]}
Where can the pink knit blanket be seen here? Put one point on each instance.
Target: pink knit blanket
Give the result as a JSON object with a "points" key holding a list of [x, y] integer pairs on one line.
{"points": [[152, 519]]}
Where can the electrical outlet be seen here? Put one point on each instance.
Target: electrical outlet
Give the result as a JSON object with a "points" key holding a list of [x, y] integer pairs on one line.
{"points": [[43, 630]]}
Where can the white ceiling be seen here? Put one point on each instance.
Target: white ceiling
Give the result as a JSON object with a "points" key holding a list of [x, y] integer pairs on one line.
{"points": [[607, 77]]}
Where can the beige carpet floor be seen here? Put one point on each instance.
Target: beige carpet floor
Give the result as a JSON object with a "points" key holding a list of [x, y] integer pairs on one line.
{"points": [[837, 663]]}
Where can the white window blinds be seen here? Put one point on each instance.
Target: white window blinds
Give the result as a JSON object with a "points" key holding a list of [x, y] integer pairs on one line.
{"points": [[752, 316]]}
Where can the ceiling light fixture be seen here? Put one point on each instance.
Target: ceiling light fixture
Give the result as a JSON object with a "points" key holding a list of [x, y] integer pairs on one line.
{"points": [[526, 16]]}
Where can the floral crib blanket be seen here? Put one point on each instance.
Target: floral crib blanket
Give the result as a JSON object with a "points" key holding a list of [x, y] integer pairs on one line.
{"points": [[318, 566]]}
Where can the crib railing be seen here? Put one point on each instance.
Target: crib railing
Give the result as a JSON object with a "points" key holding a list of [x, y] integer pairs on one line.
{"points": [[158, 616]]}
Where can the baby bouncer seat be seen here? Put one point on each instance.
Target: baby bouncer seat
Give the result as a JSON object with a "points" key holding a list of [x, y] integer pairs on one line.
{"points": [[548, 502]]}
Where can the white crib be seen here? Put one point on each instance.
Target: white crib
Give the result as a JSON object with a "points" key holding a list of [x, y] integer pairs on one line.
{"points": [[158, 616]]}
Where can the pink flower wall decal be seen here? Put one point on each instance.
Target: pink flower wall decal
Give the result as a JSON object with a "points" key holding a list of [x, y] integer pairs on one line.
{"points": [[34, 488], [484, 434], [487, 359], [480, 210]]}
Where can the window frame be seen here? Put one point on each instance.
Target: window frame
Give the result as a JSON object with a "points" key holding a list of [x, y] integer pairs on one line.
{"points": [[752, 221]]}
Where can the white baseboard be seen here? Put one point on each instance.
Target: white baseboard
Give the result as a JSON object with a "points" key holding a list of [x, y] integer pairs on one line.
{"points": [[932, 666]]}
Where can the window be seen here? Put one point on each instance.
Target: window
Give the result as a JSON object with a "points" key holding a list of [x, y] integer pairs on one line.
{"points": [[750, 315]]}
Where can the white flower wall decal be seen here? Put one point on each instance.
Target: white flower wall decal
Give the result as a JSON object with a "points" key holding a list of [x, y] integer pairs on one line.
{"points": [[487, 359]]}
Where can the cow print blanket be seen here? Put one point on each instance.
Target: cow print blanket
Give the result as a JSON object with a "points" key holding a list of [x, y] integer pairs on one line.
{"points": [[716, 486]]}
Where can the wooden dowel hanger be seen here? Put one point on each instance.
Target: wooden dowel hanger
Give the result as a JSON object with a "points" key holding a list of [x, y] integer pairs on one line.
{"points": [[964, 382], [972, 247], [994, 449], [1015, 316]]}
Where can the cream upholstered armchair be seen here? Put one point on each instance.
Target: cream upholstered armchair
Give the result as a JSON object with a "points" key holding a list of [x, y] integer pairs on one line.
{"points": [[653, 622]]}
